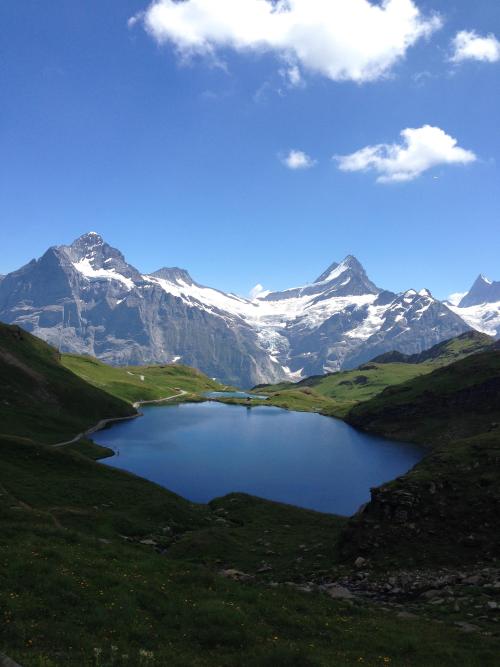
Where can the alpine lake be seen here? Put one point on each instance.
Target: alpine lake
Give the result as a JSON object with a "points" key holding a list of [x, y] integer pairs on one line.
{"points": [[206, 450]]}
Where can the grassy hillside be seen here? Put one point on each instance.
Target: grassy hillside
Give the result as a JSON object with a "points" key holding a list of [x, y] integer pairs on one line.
{"points": [[444, 353], [86, 580], [337, 393], [449, 503], [452, 402], [139, 383], [40, 398]]}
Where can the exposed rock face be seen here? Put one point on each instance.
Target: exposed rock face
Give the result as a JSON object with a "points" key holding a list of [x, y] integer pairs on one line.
{"points": [[482, 291], [85, 298]]}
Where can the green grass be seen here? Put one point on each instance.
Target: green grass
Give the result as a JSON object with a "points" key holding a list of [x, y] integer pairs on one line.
{"points": [[75, 593], [337, 393], [140, 383], [448, 504], [248, 533], [453, 402], [40, 398]]}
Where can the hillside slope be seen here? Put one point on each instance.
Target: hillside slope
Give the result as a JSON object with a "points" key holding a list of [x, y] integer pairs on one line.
{"points": [[140, 383], [337, 393], [40, 398], [456, 401], [448, 507]]}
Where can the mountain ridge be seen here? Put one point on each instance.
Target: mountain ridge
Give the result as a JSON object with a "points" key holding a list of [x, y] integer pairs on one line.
{"points": [[85, 298]]}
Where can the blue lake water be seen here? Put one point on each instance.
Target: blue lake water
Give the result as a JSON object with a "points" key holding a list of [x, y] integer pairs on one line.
{"points": [[205, 450]]}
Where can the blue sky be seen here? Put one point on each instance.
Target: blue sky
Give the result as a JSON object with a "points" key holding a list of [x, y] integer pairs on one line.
{"points": [[176, 156]]}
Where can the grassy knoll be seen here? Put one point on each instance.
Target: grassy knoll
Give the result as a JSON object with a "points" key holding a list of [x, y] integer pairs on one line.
{"points": [[40, 398], [78, 588], [139, 383]]}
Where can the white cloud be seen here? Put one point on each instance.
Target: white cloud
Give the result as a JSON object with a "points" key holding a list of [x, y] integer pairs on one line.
{"points": [[298, 160], [422, 148], [133, 20], [292, 76], [468, 45], [257, 291], [358, 40], [455, 298]]}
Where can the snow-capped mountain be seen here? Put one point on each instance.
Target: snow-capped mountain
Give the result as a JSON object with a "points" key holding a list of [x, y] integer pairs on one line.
{"points": [[85, 298], [480, 306]]}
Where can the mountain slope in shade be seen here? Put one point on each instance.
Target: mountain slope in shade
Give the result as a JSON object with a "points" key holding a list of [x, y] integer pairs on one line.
{"points": [[43, 400], [480, 306], [87, 299]]}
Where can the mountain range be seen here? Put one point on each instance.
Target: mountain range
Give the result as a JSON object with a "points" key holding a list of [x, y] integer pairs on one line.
{"points": [[86, 298]]}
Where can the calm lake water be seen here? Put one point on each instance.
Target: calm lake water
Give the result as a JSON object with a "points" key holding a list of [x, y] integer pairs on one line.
{"points": [[205, 450], [234, 394]]}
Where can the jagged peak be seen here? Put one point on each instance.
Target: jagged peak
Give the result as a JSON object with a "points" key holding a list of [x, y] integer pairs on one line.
{"points": [[413, 293], [336, 269], [89, 238], [483, 290]]}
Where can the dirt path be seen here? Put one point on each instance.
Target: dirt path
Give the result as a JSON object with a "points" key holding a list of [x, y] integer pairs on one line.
{"points": [[104, 422], [161, 400]]}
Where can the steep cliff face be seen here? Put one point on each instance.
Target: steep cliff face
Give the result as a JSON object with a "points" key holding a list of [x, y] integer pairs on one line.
{"points": [[86, 298]]}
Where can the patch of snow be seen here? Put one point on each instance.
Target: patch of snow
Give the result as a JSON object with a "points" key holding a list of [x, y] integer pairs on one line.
{"points": [[484, 318], [370, 325], [294, 376], [86, 269], [335, 273]]}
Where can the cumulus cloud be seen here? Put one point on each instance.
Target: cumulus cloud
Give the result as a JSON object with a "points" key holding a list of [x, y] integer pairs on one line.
{"points": [[455, 298], [421, 149], [468, 45], [298, 160], [358, 40], [257, 291]]}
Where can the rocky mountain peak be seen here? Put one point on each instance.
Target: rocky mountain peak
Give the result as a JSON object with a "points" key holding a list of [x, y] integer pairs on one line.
{"points": [[87, 243], [349, 263], [90, 253], [482, 291]]}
